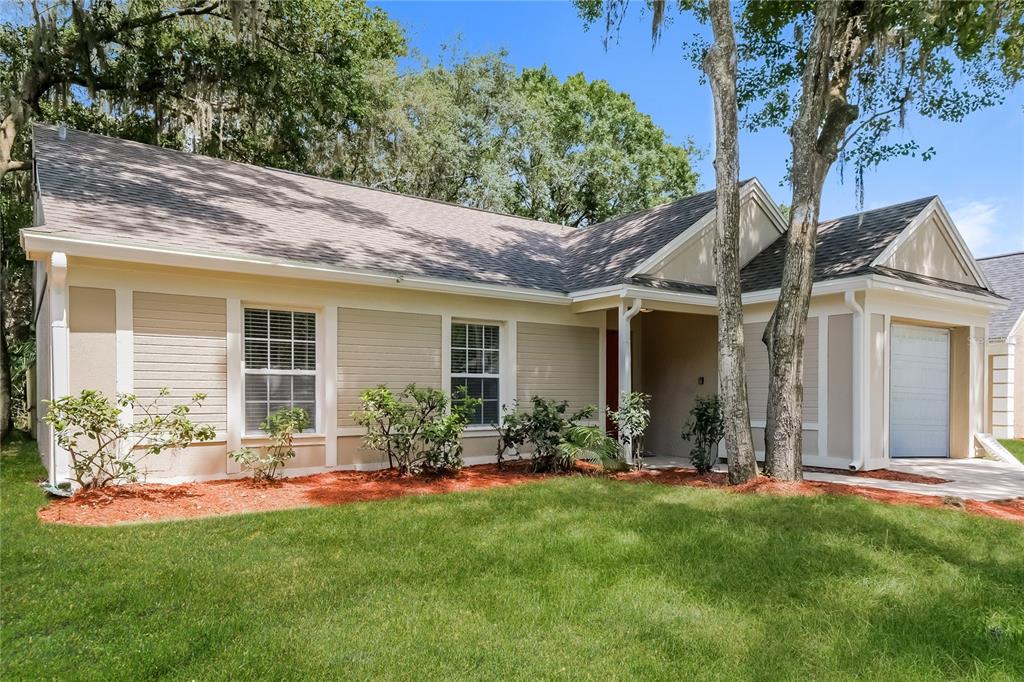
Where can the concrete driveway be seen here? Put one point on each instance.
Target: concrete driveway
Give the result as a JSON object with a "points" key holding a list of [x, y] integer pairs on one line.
{"points": [[971, 479]]}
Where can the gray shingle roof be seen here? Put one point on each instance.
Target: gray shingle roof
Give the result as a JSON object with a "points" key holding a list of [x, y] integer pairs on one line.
{"points": [[1006, 275], [119, 191], [846, 245], [116, 190]]}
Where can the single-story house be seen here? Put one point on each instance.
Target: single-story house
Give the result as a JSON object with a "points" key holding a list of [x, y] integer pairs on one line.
{"points": [[265, 288], [1005, 416]]}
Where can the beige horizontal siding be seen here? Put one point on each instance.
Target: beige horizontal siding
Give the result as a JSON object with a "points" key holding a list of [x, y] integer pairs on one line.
{"points": [[757, 370], [558, 362], [377, 347], [181, 343]]}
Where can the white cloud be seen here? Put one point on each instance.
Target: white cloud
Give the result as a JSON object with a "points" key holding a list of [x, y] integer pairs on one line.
{"points": [[978, 222]]}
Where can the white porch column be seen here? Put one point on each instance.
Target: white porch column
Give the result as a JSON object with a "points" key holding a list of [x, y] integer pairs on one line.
{"points": [[978, 386], [60, 376], [626, 315], [1002, 363], [860, 423], [329, 413], [235, 408]]}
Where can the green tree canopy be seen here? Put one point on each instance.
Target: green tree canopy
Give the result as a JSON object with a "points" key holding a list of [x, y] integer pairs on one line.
{"points": [[475, 131]]}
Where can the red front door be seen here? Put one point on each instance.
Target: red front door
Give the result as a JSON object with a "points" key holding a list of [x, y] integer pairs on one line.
{"points": [[611, 373]]}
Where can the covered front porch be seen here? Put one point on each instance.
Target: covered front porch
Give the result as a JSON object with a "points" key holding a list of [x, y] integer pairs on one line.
{"points": [[887, 375]]}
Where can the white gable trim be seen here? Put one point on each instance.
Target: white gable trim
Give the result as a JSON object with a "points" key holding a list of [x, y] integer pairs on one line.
{"points": [[945, 222], [753, 190]]}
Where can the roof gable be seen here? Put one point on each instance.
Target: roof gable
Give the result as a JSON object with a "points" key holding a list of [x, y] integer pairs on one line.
{"points": [[690, 256], [932, 246]]}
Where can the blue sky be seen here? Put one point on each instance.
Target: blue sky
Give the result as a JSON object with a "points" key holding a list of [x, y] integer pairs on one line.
{"points": [[978, 170]]}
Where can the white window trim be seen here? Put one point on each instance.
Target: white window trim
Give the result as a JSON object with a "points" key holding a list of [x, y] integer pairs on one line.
{"points": [[501, 376], [318, 401]]}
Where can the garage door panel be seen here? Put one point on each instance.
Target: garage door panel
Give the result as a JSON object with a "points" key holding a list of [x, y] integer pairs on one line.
{"points": [[919, 392]]}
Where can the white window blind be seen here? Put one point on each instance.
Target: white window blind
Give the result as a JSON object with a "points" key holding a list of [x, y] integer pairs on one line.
{"points": [[476, 368], [280, 364]]}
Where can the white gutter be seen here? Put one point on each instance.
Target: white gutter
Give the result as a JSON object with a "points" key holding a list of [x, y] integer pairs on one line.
{"points": [[43, 242], [850, 299]]}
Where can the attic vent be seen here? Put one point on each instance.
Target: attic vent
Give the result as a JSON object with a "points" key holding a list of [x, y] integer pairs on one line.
{"points": [[62, 132]]}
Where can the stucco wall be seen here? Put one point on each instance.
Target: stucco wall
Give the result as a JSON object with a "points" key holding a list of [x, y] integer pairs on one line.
{"points": [[558, 362], [91, 343], [1018, 384], [694, 261], [678, 350], [929, 252]]}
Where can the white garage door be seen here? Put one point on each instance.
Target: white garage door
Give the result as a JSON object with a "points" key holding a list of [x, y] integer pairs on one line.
{"points": [[919, 392]]}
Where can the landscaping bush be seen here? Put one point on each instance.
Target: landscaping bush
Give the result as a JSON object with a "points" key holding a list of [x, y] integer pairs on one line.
{"points": [[418, 429], [103, 449], [705, 429], [553, 440], [281, 427], [631, 420]]}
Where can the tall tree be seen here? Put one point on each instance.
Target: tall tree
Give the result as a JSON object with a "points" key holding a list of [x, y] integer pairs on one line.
{"points": [[719, 62], [253, 80], [477, 131], [841, 76], [720, 66], [857, 71]]}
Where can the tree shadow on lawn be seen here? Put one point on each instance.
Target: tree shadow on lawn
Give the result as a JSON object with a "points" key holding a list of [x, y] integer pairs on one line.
{"points": [[853, 579]]}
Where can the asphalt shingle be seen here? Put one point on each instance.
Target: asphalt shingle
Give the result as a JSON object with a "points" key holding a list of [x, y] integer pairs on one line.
{"points": [[1006, 275]]}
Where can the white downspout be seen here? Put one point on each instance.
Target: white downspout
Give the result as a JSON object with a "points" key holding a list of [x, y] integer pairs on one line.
{"points": [[626, 355], [850, 299]]}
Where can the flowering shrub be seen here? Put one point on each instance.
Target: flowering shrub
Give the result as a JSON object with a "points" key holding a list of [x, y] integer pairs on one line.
{"points": [[281, 426]]}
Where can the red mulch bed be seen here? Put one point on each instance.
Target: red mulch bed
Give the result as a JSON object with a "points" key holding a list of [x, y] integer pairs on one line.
{"points": [[883, 475], [154, 502]]}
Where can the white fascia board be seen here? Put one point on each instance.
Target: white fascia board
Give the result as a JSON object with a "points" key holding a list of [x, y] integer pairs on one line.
{"points": [[42, 242], [832, 286], [670, 296], [767, 203], [931, 291]]}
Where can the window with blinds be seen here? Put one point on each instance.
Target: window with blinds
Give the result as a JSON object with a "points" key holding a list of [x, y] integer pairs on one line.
{"points": [[476, 368], [280, 364]]}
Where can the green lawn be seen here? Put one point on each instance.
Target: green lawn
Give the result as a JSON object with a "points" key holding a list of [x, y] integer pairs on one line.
{"points": [[571, 578], [1016, 448]]}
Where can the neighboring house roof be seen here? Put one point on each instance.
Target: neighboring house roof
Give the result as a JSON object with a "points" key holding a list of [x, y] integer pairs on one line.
{"points": [[1006, 275], [106, 189]]}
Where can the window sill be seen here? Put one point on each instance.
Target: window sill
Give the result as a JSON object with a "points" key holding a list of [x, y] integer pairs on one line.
{"points": [[479, 431]]}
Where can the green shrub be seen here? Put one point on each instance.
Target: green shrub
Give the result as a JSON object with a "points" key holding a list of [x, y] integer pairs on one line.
{"points": [[418, 429], [552, 439], [281, 427], [631, 420], [103, 449], [705, 429]]}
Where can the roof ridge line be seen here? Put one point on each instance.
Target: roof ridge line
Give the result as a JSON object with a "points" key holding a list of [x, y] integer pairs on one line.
{"points": [[1001, 255], [273, 169]]}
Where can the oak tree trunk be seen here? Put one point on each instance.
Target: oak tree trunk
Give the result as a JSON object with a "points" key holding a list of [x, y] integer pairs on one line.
{"points": [[822, 120], [720, 66]]}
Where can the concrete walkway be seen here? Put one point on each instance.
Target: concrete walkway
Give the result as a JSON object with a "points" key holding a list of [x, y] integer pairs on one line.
{"points": [[971, 479]]}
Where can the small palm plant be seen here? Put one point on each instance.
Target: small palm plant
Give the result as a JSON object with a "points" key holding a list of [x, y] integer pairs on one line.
{"points": [[590, 444]]}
